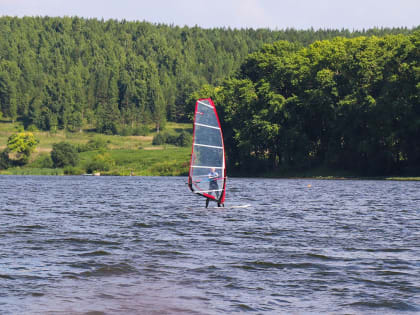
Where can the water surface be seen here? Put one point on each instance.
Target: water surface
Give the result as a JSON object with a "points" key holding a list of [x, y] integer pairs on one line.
{"points": [[146, 245]]}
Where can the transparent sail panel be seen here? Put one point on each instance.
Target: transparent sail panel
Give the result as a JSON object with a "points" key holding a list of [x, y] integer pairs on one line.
{"points": [[207, 157], [208, 136], [205, 114]]}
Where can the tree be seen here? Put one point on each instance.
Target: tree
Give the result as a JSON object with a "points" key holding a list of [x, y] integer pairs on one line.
{"points": [[58, 73], [156, 100], [7, 96], [64, 154], [107, 119], [20, 146], [344, 103]]}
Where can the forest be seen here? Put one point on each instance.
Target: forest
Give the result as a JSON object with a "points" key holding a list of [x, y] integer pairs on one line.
{"points": [[289, 99], [341, 104]]}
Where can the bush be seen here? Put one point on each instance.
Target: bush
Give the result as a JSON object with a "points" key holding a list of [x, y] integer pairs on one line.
{"points": [[93, 144], [126, 131], [184, 139], [101, 162], [43, 161], [4, 160], [160, 138], [64, 154], [141, 131], [32, 128], [136, 131]]}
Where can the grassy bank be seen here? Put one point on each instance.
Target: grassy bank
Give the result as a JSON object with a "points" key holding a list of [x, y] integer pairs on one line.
{"points": [[125, 155], [136, 155]]}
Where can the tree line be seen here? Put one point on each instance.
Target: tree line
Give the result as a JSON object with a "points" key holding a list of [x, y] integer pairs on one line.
{"points": [[345, 104], [117, 76]]}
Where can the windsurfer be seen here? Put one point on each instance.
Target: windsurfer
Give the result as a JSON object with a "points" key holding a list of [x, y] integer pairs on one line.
{"points": [[213, 186]]}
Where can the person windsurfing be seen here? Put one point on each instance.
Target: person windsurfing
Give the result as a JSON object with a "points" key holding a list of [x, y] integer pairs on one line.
{"points": [[213, 186]]}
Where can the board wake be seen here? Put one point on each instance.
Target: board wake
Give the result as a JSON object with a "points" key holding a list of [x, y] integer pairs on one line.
{"points": [[237, 206], [214, 207]]}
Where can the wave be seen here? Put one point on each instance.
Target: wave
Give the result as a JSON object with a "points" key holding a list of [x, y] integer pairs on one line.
{"points": [[142, 225], [110, 270], [95, 253], [75, 240], [164, 252], [31, 227], [396, 305], [258, 265], [324, 257]]}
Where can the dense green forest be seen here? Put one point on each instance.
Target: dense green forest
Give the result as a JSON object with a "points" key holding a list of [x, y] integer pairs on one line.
{"points": [[343, 104], [288, 99], [66, 73]]}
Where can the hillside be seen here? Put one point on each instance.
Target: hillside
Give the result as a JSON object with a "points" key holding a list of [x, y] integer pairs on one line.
{"points": [[289, 100], [68, 73]]}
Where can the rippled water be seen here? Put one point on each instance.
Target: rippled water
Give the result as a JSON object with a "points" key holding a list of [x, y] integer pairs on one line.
{"points": [[146, 245]]}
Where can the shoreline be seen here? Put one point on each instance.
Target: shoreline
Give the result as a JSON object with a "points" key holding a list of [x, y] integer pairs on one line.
{"points": [[59, 172]]}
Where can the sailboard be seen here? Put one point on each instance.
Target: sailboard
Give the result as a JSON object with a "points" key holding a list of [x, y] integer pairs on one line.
{"points": [[207, 175]]}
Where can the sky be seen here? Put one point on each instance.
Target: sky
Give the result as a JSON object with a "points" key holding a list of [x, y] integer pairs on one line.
{"points": [[272, 14]]}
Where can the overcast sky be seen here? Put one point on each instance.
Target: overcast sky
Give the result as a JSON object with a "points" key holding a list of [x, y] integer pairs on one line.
{"points": [[273, 14]]}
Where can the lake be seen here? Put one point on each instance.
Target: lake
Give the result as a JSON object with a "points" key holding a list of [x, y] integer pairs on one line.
{"points": [[146, 245]]}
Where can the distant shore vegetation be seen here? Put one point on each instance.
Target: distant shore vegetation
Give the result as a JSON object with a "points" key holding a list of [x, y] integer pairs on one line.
{"points": [[87, 152], [290, 101], [346, 105]]}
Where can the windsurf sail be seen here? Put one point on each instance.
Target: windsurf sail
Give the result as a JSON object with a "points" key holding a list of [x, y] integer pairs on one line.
{"points": [[207, 176]]}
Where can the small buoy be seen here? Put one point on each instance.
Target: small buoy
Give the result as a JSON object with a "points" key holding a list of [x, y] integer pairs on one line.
{"points": [[309, 185]]}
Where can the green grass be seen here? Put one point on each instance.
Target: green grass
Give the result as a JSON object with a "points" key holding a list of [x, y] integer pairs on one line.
{"points": [[167, 160], [404, 178], [128, 155], [32, 171]]}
